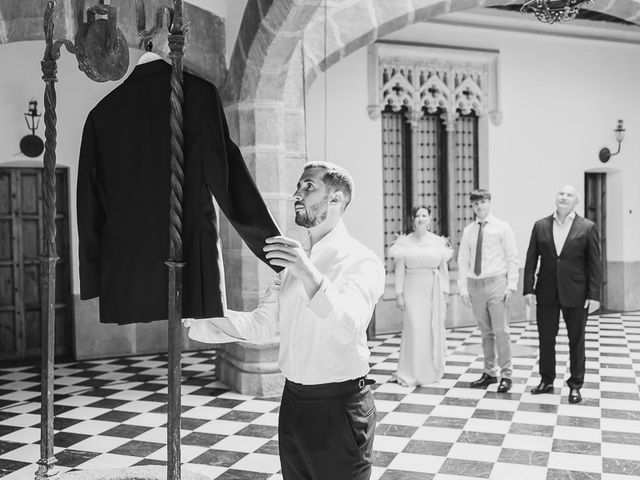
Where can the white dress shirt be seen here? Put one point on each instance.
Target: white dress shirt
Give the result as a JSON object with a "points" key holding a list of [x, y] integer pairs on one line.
{"points": [[499, 253], [561, 230], [322, 339]]}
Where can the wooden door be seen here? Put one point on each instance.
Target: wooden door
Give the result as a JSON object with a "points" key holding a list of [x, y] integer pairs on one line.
{"points": [[595, 209], [21, 230]]}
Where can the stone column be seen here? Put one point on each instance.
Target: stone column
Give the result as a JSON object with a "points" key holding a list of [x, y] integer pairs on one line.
{"points": [[267, 133]]}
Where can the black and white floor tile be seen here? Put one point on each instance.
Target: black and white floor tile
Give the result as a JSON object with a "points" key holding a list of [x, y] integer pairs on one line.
{"points": [[111, 413]]}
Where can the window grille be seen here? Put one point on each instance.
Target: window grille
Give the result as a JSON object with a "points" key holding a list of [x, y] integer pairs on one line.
{"points": [[427, 170], [465, 171]]}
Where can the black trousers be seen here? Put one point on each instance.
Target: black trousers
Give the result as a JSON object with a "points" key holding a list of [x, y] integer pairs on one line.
{"points": [[548, 320], [325, 432]]}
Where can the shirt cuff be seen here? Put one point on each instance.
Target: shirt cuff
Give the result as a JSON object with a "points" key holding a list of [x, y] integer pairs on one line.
{"points": [[320, 303], [512, 286]]}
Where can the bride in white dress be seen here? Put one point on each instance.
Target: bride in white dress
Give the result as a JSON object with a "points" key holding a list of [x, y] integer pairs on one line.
{"points": [[421, 283]]}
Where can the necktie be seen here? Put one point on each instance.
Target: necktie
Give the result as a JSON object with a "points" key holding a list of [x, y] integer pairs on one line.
{"points": [[477, 267]]}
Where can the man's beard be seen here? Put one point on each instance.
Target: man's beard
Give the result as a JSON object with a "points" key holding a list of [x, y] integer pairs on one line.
{"points": [[313, 215]]}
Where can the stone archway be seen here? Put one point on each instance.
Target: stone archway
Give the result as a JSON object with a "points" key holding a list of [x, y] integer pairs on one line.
{"points": [[351, 28]]}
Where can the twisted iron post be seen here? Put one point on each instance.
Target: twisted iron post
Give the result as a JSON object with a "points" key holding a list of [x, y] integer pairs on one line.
{"points": [[119, 60], [49, 64], [175, 261]]}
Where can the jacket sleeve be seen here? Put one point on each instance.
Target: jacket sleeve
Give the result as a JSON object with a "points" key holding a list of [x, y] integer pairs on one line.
{"points": [[232, 185], [91, 215], [594, 264], [531, 263]]}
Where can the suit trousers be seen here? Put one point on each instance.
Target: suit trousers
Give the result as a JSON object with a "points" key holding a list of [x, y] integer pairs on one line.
{"points": [[325, 432], [492, 315], [548, 320]]}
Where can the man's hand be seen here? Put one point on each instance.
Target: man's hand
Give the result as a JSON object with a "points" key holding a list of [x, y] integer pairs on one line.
{"points": [[591, 305], [288, 253], [507, 296], [530, 299], [466, 299], [400, 301]]}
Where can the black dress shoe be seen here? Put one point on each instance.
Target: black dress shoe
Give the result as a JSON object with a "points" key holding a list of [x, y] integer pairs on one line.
{"points": [[483, 381], [505, 385], [542, 387], [574, 395]]}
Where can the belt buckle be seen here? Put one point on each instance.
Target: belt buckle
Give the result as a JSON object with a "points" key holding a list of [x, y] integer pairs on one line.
{"points": [[361, 383]]}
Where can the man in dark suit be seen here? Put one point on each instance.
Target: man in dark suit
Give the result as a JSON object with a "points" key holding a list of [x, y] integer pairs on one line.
{"points": [[123, 198], [568, 280]]}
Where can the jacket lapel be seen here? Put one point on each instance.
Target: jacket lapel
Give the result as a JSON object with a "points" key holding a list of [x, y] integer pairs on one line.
{"points": [[573, 231], [548, 232]]}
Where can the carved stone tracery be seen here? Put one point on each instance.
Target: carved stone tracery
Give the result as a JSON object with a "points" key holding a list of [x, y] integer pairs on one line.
{"points": [[414, 79]]}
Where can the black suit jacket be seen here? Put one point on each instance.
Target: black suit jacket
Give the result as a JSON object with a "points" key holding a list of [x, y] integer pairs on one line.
{"points": [[123, 198], [567, 278]]}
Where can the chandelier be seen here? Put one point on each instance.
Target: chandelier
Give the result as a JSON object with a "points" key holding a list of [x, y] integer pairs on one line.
{"points": [[554, 11]]}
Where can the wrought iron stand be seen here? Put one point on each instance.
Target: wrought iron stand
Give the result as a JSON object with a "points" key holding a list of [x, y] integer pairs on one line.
{"points": [[177, 32], [93, 39]]}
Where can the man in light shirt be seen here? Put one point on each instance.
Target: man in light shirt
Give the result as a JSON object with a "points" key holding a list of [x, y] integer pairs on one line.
{"points": [[322, 302], [487, 277], [568, 280]]}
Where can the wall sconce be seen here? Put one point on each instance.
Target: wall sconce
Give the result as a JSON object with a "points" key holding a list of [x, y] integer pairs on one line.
{"points": [[32, 145], [605, 154]]}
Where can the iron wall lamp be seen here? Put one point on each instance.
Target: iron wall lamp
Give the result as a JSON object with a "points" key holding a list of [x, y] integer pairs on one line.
{"points": [[32, 145], [605, 154]]}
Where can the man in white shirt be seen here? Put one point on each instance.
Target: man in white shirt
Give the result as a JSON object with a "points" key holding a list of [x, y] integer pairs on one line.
{"points": [[322, 303], [569, 280], [487, 277]]}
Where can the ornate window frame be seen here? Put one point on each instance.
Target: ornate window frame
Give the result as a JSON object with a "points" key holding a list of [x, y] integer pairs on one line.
{"points": [[418, 76]]}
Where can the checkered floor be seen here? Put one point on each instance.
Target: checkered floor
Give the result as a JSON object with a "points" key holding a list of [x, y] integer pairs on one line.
{"points": [[111, 413]]}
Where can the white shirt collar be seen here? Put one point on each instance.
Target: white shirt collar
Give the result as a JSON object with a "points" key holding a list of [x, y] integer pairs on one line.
{"points": [[569, 218], [487, 219], [330, 238]]}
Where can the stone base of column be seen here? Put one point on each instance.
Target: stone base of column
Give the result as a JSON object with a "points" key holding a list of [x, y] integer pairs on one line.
{"points": [[250, 369]]}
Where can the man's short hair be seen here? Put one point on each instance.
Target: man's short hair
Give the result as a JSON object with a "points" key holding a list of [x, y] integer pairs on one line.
{"points": [[479, 194], [336, 178]]}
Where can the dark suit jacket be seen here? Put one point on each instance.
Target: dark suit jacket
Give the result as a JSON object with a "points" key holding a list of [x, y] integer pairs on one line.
{"points": [[123, 198], [567, 278]]}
